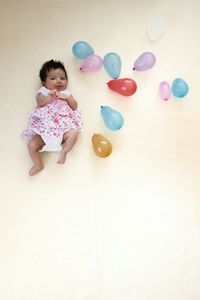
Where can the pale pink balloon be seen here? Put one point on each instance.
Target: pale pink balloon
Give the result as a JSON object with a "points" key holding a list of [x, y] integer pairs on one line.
{"points": [[92, 63], [164, 90]]}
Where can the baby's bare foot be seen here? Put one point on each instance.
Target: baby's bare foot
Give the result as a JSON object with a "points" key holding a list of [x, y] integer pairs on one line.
{"points": [[35, 169], [62, 158]]}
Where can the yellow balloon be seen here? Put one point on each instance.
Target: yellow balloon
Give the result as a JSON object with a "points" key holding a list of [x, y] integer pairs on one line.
{"points": [[102, 147]]}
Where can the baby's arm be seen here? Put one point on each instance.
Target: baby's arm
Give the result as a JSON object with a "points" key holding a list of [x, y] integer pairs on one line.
{"points": [[70, 100], [43, 100]]}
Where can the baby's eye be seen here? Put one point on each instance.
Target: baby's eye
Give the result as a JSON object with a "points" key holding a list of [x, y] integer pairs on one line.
{"points": [[62, 78], [52, 78]]}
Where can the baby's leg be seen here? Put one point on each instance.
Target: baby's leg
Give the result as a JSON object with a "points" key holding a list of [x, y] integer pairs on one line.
{"points": [[69, 139], [34, 146]]}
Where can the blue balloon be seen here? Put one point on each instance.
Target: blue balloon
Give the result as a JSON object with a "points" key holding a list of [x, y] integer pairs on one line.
{"points": [[112, 118], [82, 49], [112, 64], [179, 88]]}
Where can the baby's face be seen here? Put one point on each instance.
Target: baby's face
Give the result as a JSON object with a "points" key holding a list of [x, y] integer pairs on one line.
{"points": [[56, 79]]}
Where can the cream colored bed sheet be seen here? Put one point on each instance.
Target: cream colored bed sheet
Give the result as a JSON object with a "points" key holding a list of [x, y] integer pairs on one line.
{"points": [[124, 227]]}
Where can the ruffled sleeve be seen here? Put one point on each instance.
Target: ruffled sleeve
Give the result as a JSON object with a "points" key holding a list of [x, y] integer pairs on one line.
{"points": [[66, 92], [43, 90]]}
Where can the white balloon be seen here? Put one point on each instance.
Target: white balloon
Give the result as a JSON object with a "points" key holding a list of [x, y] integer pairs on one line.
{"points": [[156, 27]]}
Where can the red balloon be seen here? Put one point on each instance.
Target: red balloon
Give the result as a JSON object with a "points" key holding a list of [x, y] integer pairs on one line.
{"points": [[123, 86]]}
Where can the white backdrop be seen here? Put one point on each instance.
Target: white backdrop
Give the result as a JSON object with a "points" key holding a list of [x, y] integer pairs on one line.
{"points": [[124, 227]]}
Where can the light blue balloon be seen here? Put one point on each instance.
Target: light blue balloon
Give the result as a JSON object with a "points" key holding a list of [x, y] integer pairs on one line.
{"points": [[82, 49], [112, 118], [179, 88], [112, 64]]}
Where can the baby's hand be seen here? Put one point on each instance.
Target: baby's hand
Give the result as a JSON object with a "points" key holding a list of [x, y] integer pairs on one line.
{"points": [[61, 96], [53, 93]]}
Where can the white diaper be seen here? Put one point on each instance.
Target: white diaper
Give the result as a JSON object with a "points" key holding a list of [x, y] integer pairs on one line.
{"points": [[52, 144]]}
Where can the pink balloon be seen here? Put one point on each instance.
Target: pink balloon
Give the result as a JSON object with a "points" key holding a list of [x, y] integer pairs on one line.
{"points": [[91, 63], [164, 90], [145, 61]]}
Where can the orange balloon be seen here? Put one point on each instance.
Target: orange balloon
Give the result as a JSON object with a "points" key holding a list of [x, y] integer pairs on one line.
{"points": [[102, 147], [123, 86]]}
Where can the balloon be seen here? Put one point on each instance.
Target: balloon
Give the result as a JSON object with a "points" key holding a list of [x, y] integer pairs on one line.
{"points": [[102, 147], [112, 118], [112, 64], [155, 27], [145, 61], [82, 49], [123, 86], [164, 90], [92, 63], [179, 88]]}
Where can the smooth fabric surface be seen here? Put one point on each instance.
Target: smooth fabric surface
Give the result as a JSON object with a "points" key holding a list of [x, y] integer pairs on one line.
{"points": [[122, 227]]}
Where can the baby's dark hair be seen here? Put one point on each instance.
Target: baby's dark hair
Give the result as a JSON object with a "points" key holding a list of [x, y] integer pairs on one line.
{"points": [[51, 65]]}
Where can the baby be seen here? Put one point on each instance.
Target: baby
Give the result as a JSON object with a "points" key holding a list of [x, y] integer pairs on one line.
{"points": [[55, 123]]}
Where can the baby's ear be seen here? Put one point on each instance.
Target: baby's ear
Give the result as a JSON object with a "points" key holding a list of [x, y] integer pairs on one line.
{"points": [[42, 83]]}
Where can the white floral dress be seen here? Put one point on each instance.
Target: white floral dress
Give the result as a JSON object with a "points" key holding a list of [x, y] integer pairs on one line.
{"points": [[52, 120]]}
